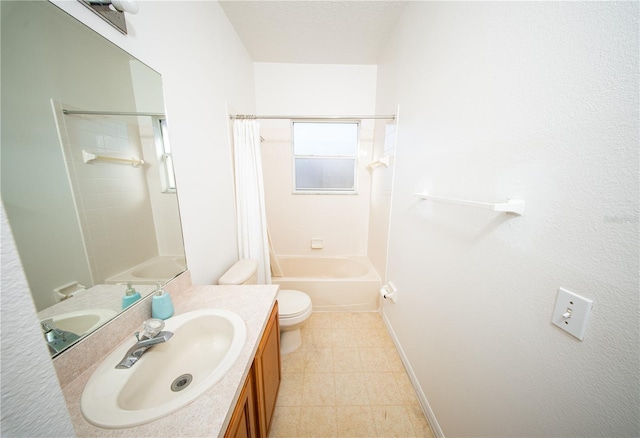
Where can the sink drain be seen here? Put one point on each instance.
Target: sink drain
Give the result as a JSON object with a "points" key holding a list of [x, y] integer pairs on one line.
{"points": [[181, 382]]}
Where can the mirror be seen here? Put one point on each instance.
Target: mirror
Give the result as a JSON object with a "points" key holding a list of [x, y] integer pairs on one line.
{"points": [[84, 221]]}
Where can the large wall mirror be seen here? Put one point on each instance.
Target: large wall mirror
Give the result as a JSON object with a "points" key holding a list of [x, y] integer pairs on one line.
{"points": [[87, 176]]}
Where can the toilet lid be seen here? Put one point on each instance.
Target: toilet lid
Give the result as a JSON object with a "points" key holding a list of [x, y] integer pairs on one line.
{"points": [[292, 303]]}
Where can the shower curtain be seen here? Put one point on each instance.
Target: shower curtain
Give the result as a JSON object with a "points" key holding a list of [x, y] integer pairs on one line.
{"points": [[250, 209]]}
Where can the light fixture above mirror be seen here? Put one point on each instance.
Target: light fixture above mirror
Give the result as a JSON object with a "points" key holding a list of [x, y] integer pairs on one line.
{"points": [[112, 11]]}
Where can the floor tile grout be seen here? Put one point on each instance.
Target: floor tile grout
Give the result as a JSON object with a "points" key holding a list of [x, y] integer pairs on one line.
{"points": [[329, 386]]}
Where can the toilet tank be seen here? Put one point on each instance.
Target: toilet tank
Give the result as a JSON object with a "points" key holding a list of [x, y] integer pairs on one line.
{"points": [[244, 271]]}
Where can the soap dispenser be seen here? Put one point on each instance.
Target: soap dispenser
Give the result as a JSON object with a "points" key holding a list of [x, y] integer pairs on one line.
{"points": [[161, 305], [130, 296]]}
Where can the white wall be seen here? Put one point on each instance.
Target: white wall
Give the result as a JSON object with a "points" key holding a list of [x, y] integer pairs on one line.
{"points": [[537, 101], [314, 89], [203, 64]]}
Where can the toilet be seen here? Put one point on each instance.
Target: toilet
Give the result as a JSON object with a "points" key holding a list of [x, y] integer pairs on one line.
{"points": [[294, 306]]}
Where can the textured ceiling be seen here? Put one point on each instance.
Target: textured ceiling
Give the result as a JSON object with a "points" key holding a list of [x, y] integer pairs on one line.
{"points": [[320, 32]]}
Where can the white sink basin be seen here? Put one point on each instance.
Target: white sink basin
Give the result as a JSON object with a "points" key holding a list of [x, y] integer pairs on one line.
{"points": [[82, 321], [205, 344]]}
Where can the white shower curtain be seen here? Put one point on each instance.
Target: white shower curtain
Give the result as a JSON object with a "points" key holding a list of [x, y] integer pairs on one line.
{"points": [[250, 210]]}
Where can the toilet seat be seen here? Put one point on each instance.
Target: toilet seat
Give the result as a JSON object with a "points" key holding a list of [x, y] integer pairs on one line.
{"points": [[292, 304]]}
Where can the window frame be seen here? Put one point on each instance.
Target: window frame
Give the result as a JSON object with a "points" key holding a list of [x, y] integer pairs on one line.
{"points": [[163, 157], [351, 191]]}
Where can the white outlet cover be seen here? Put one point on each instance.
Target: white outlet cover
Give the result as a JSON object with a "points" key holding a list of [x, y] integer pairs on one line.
{"points": [[580, 309]]}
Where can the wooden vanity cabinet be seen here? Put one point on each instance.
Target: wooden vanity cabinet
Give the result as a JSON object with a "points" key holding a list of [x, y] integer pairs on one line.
{"points": [[267, 372], [244, 421], [254, 410]]}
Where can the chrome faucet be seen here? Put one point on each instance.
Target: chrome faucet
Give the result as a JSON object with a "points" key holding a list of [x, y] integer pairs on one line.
{"points": [[57, 339], [151, 335]]}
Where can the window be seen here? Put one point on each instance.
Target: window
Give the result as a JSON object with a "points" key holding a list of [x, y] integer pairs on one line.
{"points": [[324, 155], [165, 160]]}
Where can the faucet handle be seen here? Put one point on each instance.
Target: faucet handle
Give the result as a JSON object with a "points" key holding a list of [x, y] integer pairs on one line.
{"points": [[47, 325], [151, 328]]}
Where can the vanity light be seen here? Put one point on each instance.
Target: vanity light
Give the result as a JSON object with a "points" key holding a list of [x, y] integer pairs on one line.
{"points": [[112, 11]]}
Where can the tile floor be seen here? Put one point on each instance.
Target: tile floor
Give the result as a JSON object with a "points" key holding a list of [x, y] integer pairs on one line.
{"points": [[346, 380]]}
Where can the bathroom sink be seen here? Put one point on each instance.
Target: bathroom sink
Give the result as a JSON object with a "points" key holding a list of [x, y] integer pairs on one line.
{"points": [[82, 321], [204, 346]]}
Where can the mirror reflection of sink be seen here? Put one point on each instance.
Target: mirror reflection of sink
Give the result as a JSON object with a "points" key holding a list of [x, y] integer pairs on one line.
{"points": [[82, 321], [204, 346]]}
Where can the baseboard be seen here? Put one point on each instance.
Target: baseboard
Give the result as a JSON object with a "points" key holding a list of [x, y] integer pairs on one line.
{"points": [[422, 398]]}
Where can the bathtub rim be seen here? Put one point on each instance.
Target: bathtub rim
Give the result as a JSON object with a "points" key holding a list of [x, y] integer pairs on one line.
{"points": [[127, 275], [371, 273]]}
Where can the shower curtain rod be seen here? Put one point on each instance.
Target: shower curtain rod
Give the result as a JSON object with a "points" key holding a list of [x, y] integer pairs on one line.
{"points": [[110, 113], [244, 116]]}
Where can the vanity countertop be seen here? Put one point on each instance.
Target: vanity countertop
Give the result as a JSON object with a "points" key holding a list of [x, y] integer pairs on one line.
{"points": [[209, 414]]}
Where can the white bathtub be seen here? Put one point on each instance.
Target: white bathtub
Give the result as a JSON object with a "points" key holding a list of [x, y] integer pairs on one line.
{"points": [[346, 283], [160, 268]]}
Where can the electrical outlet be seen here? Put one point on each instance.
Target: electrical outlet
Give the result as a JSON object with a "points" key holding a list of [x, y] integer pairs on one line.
{"points": [[572, 313]]}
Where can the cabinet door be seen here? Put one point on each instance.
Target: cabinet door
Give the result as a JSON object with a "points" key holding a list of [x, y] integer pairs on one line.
{"points": [[244, 421], [267, 364]]}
